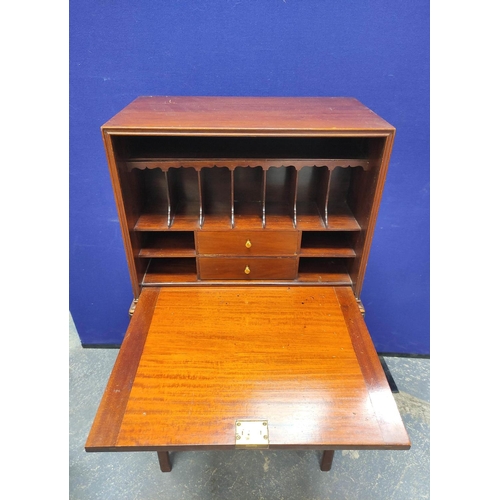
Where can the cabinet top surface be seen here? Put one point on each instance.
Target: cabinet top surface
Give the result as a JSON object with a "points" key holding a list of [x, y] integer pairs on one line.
{"points": [[279, 115]]}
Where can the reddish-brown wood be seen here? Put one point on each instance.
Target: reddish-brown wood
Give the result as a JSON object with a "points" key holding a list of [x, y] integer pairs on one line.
{"points": [[279, 217], [229, 268], [323, 270], [183, 220], [164, 459], [106, 426], [381, 397], [288, 190], [170, 270], [251, 243], [236, 357], [246, 166], [327, 244], [126, 199], [248, 114], [231, 163], [365, 196], [326, 460], [168, 244]]}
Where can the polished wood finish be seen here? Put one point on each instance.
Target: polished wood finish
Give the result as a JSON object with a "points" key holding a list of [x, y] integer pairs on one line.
{"points": [[327, 244], [231, 268], [247, 225], [247, 114], [248, 243], [375, 379], [236, 357], [105, 429], [223, 164], [170, 270], [326, 460], [323, 271], [168, 245]]}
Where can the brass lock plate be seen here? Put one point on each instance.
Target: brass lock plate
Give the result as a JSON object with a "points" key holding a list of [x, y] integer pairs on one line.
{"points": [[252, 434]]}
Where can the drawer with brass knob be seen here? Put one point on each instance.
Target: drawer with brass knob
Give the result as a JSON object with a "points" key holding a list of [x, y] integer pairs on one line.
{"points": [[243, 243], [214, 268]]}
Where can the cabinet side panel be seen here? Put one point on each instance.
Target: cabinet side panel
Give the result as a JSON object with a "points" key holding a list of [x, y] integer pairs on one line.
{"points": [[125, 192], [364, 197]]}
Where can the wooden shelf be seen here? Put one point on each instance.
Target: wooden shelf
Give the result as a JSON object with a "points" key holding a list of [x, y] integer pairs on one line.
{"points": [[308, 217], [247, 198], [184, 217], [248, 215], [323, 270], [152, 222], [159, 222], [278, 216], [312, 270], [216, 221], [170, 270], [341, 218], [164, 244], [327, 244], [183, 270]]}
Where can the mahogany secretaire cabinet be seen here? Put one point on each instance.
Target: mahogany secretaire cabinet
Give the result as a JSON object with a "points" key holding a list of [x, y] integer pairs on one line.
{"points": [[247, 224]]}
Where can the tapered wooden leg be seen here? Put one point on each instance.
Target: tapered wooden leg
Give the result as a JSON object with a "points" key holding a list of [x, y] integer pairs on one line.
{"points": [[164, 460], [326, 461]]}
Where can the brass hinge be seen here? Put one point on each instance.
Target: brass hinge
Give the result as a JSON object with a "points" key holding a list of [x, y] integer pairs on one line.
{"points": [[252, 434], [132, 307], [361, 307]]}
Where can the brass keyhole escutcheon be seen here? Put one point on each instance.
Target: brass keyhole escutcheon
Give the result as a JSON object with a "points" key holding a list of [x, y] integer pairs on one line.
{"points": [[247, 270], [248, 244]]}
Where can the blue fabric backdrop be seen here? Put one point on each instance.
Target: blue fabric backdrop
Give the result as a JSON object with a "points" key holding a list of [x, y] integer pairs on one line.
{"points": [[377, 52]]}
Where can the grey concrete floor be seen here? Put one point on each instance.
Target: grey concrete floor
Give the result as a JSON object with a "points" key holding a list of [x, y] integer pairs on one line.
{"points": [[373, 475]]}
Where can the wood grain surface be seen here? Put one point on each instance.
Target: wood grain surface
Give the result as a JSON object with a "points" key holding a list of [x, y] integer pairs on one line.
{"points": [[381, 397], [243, 114], [215, 355], [108, 419], [249, 243], [149, 141], [237, 268]]}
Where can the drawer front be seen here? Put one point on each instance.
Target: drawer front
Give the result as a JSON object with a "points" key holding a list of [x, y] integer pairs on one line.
{"points": [[214, 268], [243, 243]]}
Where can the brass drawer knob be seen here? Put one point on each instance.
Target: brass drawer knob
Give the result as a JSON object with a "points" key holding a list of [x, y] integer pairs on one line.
{"points": [[247, 270], [248, 244]]}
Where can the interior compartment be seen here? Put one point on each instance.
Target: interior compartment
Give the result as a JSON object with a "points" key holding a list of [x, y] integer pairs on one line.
{"points": [[324, 269], [318, 185], [170, 270], [167, 244], [280, 187], [328, 244], [339, 213], [184, 194], [311, 199], [248, 196], [216, 195], [166, 199], [156, 147]]}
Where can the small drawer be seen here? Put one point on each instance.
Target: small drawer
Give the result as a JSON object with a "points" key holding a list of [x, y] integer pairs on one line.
{"points": [[214, 268], [243, 243]]}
